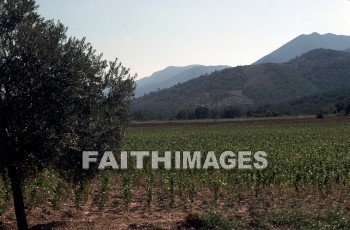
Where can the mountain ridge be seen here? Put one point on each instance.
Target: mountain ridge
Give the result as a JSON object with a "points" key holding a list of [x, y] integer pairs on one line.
{"points": [[304, 43], [172, 75]]}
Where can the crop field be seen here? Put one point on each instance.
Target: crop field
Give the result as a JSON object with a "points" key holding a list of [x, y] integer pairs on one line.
{"points": [[305, 185]]}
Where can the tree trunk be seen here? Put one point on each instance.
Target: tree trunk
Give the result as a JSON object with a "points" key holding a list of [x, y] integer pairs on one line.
{"points": [[22, 223]]}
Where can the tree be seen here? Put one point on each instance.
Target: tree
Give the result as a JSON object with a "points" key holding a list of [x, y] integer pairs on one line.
{"points": [[138, 115], [57, 99], [339, 107], [181, 115], [201, 112], [319, 115], [347, 109], [231, 112]]}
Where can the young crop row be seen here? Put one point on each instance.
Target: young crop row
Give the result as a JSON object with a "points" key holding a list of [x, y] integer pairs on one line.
{"points": [[299, 157]]}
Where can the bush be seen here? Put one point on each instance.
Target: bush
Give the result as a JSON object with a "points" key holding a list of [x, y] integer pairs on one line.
{"points": [[214, 220], [319, 116]]}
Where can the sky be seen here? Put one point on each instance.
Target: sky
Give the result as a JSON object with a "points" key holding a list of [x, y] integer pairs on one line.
{"points": [[149, 35]]}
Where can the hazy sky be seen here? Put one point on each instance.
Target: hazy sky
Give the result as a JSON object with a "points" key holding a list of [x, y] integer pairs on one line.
{"points": [[149, 35]]}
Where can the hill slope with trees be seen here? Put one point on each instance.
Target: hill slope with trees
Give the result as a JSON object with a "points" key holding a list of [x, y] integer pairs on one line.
{"points": [[316, 72]]}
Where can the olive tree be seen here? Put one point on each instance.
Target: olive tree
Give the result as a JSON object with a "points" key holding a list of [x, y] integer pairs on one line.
{"points": [[57, 99]]}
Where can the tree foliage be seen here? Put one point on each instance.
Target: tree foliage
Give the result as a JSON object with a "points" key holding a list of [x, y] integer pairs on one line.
{"points": [[57, 98]]}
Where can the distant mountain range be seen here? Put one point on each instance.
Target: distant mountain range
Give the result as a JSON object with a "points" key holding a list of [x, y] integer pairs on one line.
{"points": [[172, 75], [305, 43], [314, 73]]}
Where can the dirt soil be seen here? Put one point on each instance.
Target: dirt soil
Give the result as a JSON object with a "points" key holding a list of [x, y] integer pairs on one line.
{"points": [[233, 206]]}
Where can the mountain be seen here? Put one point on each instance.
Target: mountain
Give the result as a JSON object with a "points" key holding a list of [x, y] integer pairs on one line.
{"points": [[172, 75], [315, 72], [305, 43], [347, 50]]}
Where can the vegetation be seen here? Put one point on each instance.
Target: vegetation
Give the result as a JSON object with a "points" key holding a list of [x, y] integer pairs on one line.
{"points": [[267, 220], [333, 102], [204, 113], [301, 158], [293, 150], [60, 98], [316, 74]]}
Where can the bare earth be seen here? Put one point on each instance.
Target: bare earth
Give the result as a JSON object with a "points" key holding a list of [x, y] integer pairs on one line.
{"points": [[162, 216]]}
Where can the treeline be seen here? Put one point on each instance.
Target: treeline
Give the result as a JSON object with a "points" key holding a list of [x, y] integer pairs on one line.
{"points": [[332, 102], [304, 106], [202, 112]]}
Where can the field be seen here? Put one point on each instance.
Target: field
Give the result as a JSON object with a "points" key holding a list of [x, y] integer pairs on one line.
{"points": [[305, 186]]}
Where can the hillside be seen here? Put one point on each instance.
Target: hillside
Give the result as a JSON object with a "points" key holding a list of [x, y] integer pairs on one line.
{"points": [[335, 101], [315, 72], [305, 43], [170, 76]]}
